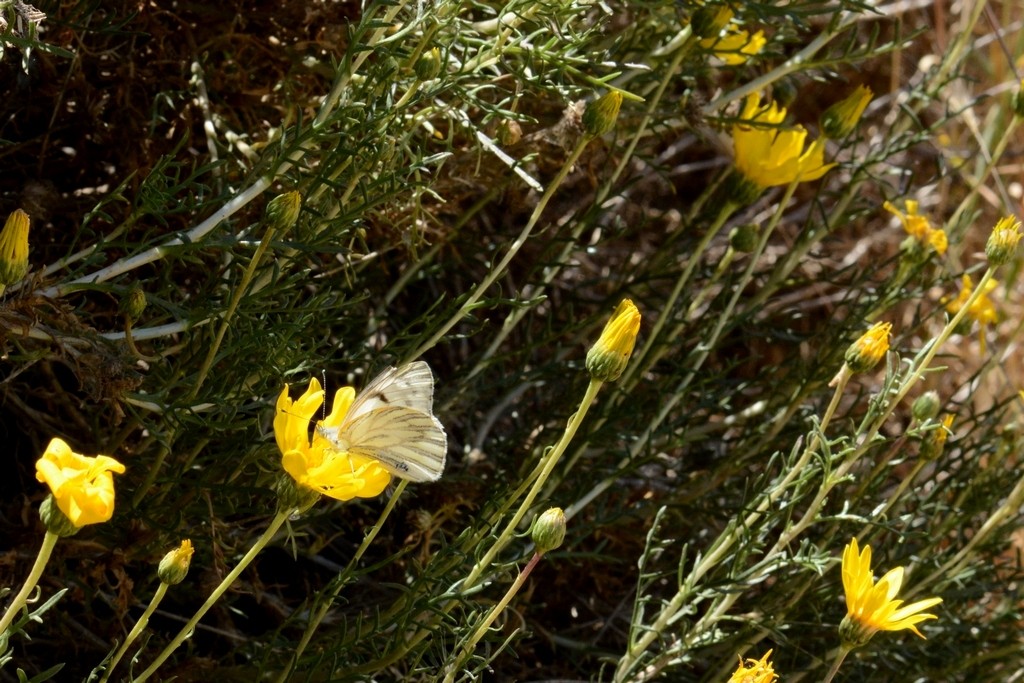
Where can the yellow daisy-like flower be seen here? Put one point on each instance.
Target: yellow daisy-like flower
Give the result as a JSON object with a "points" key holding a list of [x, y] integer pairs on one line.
{"points": [[735, 46], [872, 607], [767, 155], [918, 227], [754, 671], [982, 311], [608, 357], [314, 463], [83, 486]]}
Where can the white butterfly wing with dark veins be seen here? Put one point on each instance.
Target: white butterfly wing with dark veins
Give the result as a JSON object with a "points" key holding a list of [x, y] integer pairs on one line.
{"points": [[408, 443], [411, 386]]}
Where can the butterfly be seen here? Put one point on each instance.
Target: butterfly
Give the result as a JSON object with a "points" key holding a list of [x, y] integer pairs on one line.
{"points": [[391, 421]]}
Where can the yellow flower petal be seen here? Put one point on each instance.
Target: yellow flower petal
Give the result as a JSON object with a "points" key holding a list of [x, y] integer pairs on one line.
{"points": [[767, 155]]}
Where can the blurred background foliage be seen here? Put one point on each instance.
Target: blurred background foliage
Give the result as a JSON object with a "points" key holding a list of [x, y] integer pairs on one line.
{"points": [[422, 136]]}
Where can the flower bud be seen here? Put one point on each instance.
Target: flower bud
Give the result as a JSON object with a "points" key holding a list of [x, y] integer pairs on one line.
{"points": [[870, 348], [785, 91], [174, 566], [841, 118], [744, 238], [428, 66], [1002, 243], [709, 20], [133, 303], [283, 210], [608, 357], [509, 132], [926, 406], [548, 530], [600, 115], [935, 441], [55, 521], [14, 248]]}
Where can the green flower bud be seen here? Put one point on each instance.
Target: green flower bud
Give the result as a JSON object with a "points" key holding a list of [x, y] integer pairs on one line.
{"points": [[935, 441], [548, 530], [428, 66], [926, 406], [133, 303], [283, 210], [174, 565], [744, 238], [600, 115]]}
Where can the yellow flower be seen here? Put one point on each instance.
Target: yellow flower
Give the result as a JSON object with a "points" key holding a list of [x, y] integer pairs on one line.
{"points": [[870, 348], [841, 118], [1002, 243], [870, 606], [82, 486], [768, 155], [14, 248], [754, 671], [174, 565], [982, 311], [735, 46], [918, 227], [315, 464], [608, 357]]}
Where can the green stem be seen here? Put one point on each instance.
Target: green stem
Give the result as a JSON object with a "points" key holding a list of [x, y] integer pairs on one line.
{"points": [[189, 627], [684, 279], [470, 303], [49, 541], [340, 583], [140, 626], [724, 543], [547, 466], [470, 645], [236, 297], [836, 664]]}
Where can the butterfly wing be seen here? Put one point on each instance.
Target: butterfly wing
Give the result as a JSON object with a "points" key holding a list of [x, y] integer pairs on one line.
{"points": [[410, 386], [408, 443]]}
